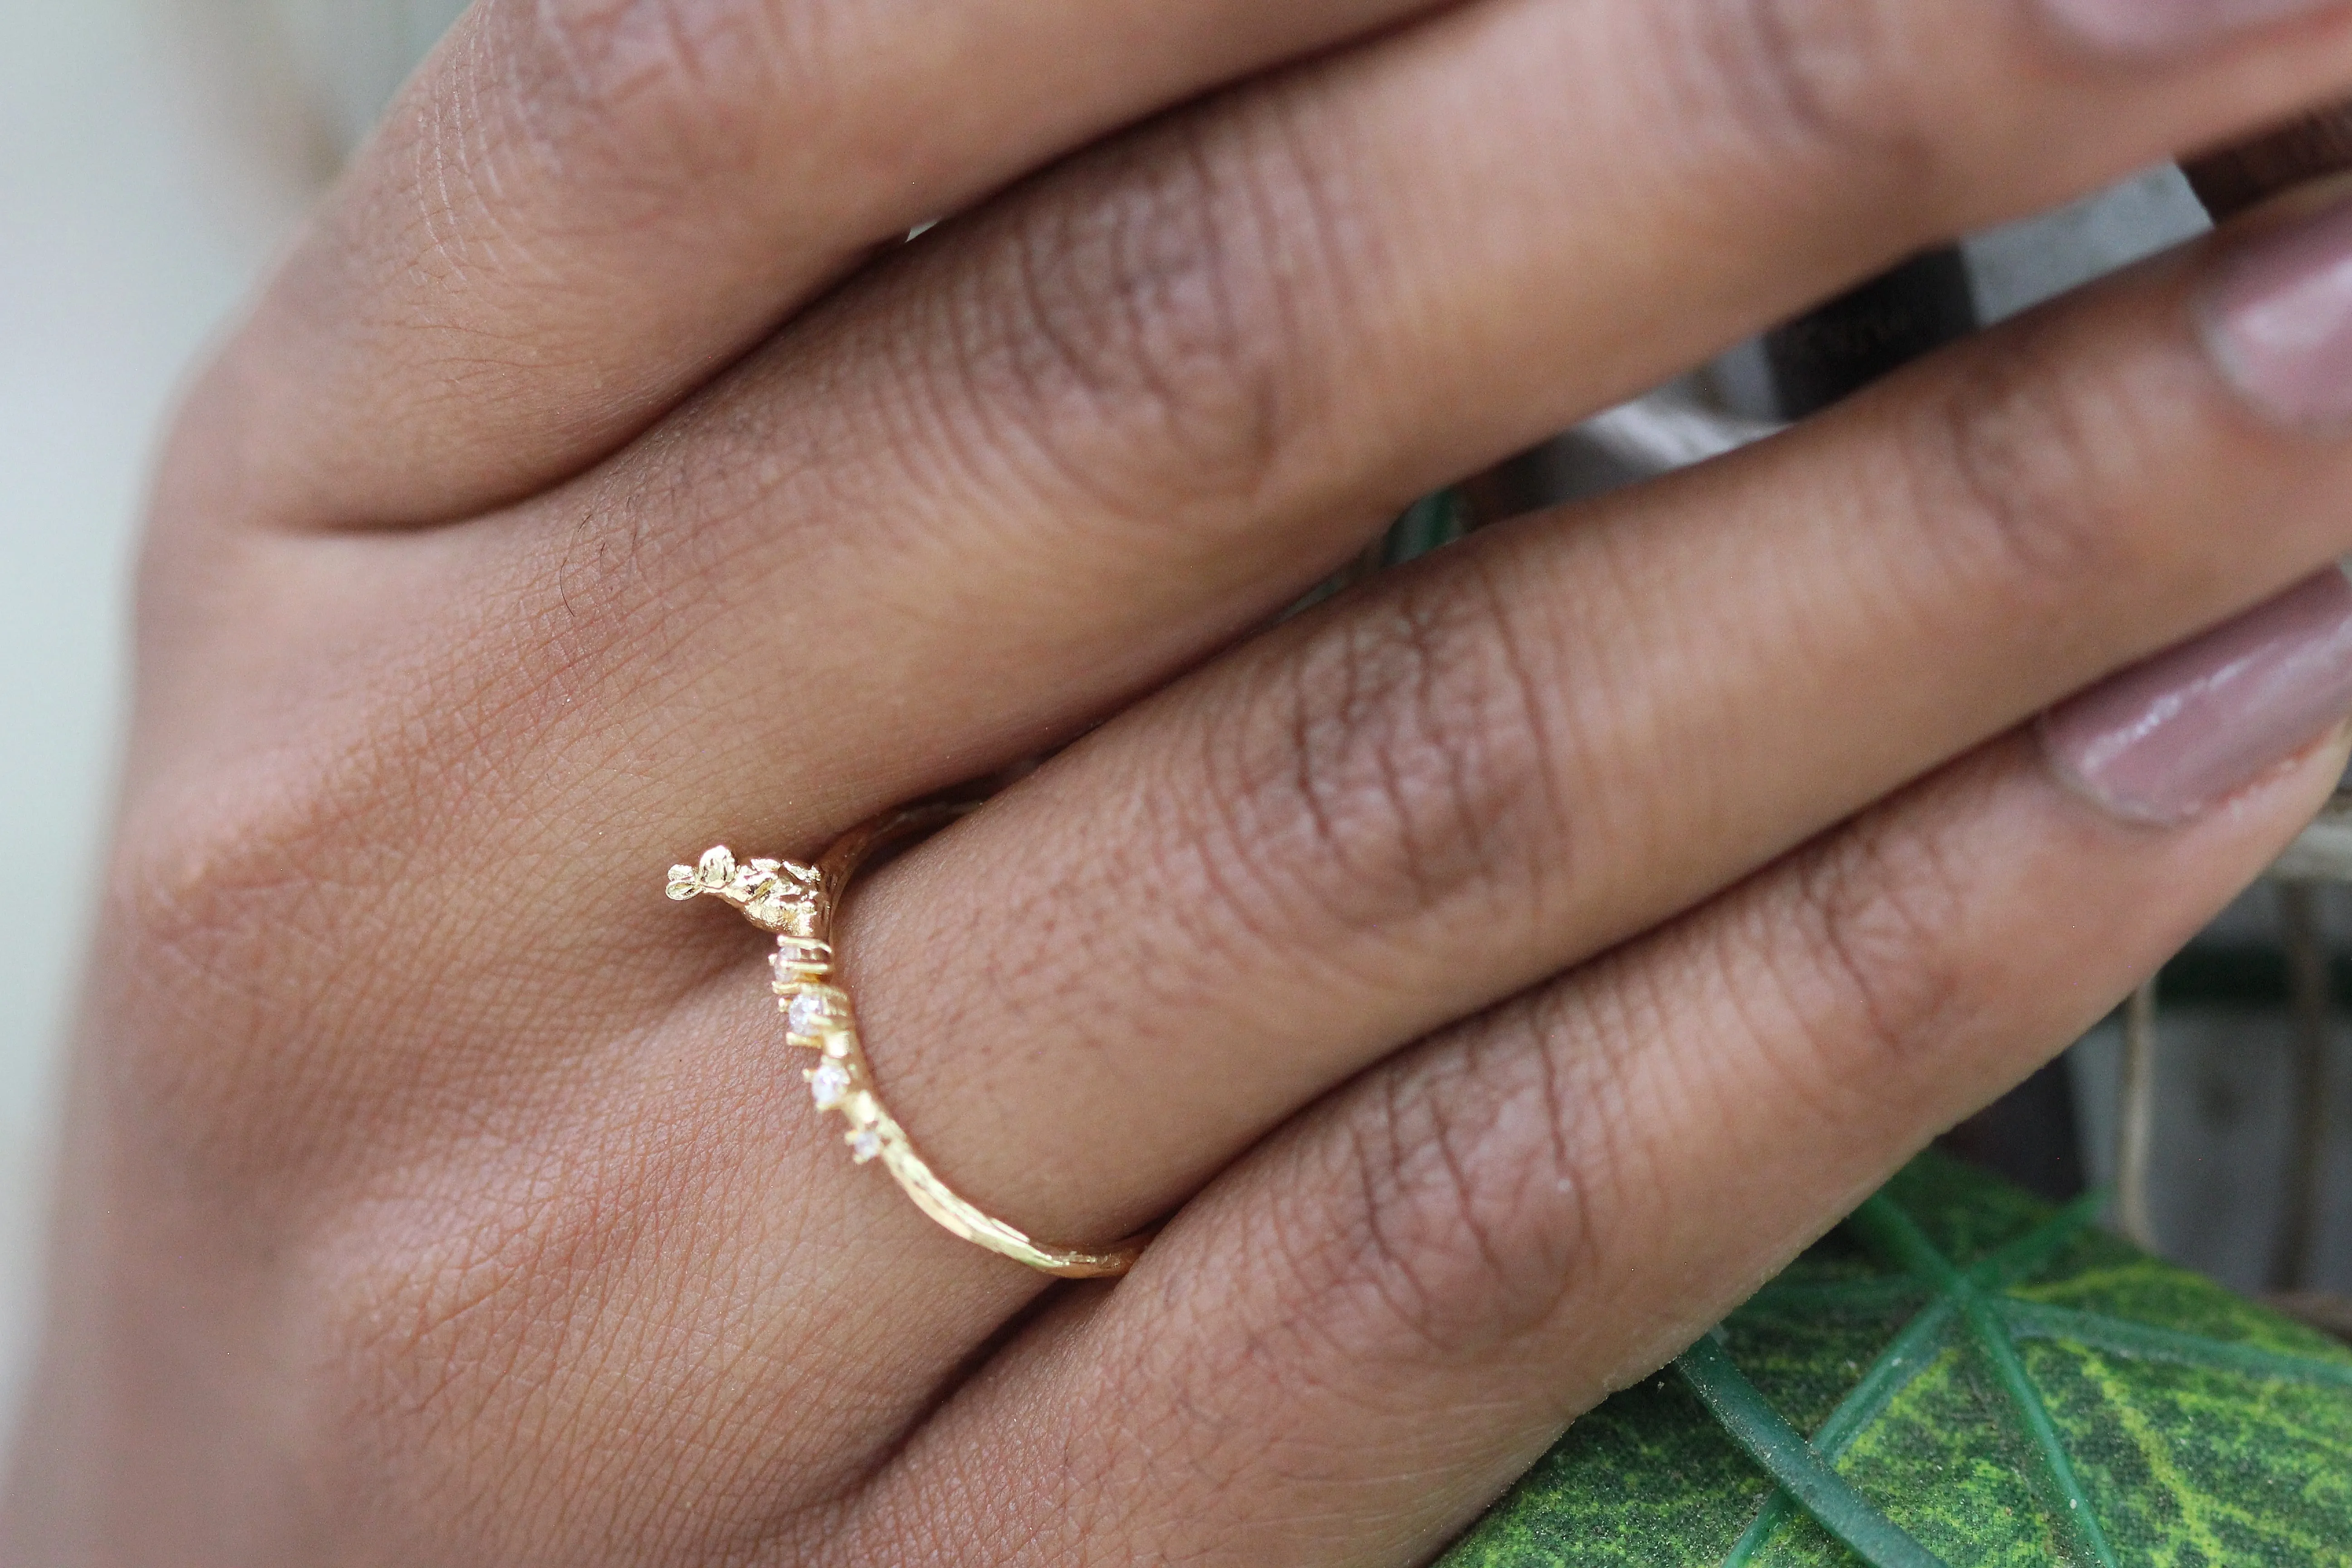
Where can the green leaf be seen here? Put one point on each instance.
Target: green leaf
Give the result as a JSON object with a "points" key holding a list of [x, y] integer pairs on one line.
{"points": [[1784, 1455], [1960, 1373]]}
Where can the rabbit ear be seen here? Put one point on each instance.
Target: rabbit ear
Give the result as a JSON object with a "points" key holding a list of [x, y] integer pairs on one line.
{"points": [[717, 868], [683, 883]]}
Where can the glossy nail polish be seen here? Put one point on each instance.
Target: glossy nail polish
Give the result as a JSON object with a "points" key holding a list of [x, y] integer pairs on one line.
{"points": [[2278, 318], [2167, 738], [2155, 25]]}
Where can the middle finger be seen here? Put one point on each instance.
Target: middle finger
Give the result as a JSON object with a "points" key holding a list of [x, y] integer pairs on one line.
{"points": [[1125, 414]]}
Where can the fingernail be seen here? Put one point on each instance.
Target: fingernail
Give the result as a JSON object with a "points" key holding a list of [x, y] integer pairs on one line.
{"points": [[2167, 738], [2278, 317], [2151, 25]]}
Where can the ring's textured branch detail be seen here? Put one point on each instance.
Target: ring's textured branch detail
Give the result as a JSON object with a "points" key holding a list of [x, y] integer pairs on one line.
{"points": [[797, 903]]}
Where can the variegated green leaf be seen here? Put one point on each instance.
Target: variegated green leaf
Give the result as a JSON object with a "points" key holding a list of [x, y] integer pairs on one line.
{"points": [[1982, 1382]]}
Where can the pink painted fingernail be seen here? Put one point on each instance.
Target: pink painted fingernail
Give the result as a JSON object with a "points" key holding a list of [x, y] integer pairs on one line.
{"points": [[2151, 25], [2278, 317], [2166, 739]]}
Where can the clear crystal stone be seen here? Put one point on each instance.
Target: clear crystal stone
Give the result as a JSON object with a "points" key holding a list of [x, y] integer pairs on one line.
{"points": [[865, 1145], [806, 1015], [828, 1083]]}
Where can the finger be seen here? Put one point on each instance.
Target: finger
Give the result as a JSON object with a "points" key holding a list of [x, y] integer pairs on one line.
{"points": [[1539, 743], [1357, 1339], [1098, 427], [580, 209]]}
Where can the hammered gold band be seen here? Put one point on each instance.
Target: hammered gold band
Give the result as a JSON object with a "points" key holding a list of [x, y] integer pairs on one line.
{"points": [[797, 903]]}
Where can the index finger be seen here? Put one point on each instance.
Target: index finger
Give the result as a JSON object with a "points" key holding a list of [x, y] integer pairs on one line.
{"points": [[579, 210]]}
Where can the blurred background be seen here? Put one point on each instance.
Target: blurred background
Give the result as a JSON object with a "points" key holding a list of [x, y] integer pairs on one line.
{"points": [[156, 153], [153, 155]]}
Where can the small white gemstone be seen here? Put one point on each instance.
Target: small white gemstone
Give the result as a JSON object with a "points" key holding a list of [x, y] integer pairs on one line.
{"points": [[806, 1015], [865, 1145], [828, 1082]]}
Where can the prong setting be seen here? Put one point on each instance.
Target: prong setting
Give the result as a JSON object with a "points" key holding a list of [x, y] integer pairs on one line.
{"points": [[795, 902]]}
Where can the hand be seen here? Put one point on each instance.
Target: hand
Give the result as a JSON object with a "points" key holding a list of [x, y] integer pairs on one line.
{"points": [[1494, 973]]}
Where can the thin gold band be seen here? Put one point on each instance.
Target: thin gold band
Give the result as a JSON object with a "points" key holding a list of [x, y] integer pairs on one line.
{"points": [[797, 903]]}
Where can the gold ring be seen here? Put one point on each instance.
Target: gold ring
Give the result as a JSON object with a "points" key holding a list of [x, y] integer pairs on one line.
{"points": [[797, 903]]}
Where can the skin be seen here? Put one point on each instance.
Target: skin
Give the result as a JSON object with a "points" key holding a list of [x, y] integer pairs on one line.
{"points": [[1493, 975]]}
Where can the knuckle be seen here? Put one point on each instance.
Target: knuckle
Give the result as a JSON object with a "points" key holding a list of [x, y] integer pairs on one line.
{"points": [[1811, 76], [1138, 324], [1394, 766], [451, 1304], [434, 1263], [419, 1314], [658, 95], [1458, 1220], [2018, 462], [432, 1308], [229, 907], [202, 894], [1880, 970]]}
